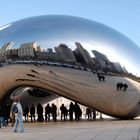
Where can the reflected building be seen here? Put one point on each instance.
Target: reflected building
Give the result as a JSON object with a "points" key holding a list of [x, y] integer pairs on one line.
{"points": [[27, 50], [117, 67], [103, 63], [82, 55], [38, 49], [100, 56], [7, 46], [5, 50], [65, 52]]}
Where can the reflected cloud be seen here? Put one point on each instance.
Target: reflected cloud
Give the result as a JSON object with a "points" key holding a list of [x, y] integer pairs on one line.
{"points": [[5, 26]]}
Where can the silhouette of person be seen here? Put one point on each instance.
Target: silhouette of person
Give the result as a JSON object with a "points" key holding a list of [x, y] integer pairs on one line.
{"points": [[94, 113], [88, 112], [7, 113], [71, 110], [54, 111], [32, 112], [64, 112], [62, 109], [77, 111], [47, 112], [26, 113], [40, 112]]}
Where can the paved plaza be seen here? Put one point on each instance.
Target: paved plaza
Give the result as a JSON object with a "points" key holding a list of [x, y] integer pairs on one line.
{"points": [[107, 129]]}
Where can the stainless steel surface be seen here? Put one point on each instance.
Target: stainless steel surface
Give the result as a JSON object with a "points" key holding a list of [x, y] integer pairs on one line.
{"points": [[65, 55]]}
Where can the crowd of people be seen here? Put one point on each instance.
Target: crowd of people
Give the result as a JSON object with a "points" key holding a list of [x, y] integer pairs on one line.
{"points": [[50, 112], [40, 114], [16, 115]]}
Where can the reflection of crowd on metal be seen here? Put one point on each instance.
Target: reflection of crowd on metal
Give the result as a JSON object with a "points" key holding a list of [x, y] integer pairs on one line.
{"points": [[101, 77], [121, 86]]}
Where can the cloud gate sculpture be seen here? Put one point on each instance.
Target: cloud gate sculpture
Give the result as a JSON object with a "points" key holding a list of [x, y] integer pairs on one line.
{"points": [[44, 57]]}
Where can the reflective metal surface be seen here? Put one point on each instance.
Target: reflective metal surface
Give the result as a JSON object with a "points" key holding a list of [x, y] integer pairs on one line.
{"points": [[73, 57]]}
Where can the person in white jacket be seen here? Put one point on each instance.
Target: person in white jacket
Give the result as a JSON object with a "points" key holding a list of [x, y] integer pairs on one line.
{"points": [[18, 116]]}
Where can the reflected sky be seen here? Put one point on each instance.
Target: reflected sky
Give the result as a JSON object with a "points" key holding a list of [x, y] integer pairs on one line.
{"points": [[49, 31]]}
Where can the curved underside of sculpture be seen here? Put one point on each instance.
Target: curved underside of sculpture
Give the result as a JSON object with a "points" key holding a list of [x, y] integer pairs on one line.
{"points": [[78, 85]]}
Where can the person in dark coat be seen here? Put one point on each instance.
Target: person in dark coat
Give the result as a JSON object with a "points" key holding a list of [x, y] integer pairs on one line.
{"points": [[32, 113], [26, 113], [47, 112], [7, 113], [62, 108], [94, 113], [77, 111], [88, 112], [71, 110], [64, 112], [40, 112], [54, 111]]}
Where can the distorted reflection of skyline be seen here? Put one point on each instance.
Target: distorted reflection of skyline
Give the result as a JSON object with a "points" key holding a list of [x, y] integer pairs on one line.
{"points": [[49, 31]]}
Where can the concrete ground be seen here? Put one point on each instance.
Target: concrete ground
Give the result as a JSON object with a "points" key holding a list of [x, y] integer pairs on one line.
{"points": [[107, 129]]}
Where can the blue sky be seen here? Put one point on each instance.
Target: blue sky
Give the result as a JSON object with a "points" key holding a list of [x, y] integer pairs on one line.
{"points": [[122, 15]]}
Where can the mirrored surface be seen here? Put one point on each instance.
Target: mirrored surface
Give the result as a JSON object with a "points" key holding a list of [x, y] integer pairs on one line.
{"points": [[72, 55]]}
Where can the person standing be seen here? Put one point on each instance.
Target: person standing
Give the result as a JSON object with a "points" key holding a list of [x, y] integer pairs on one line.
{"points": [[94, 113], [26, 113], [47, 112], [54, 112], [40, 112], [71, 110], [62, 109], [32, 112], [7, 113], [18, 115], [88, 112], [77, 111]]}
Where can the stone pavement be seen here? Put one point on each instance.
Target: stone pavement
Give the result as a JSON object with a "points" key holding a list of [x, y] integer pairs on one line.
{"points": [[107, 129]]}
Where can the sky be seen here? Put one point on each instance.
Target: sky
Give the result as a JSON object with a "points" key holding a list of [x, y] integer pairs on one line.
{"points": [[122, 15]]}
